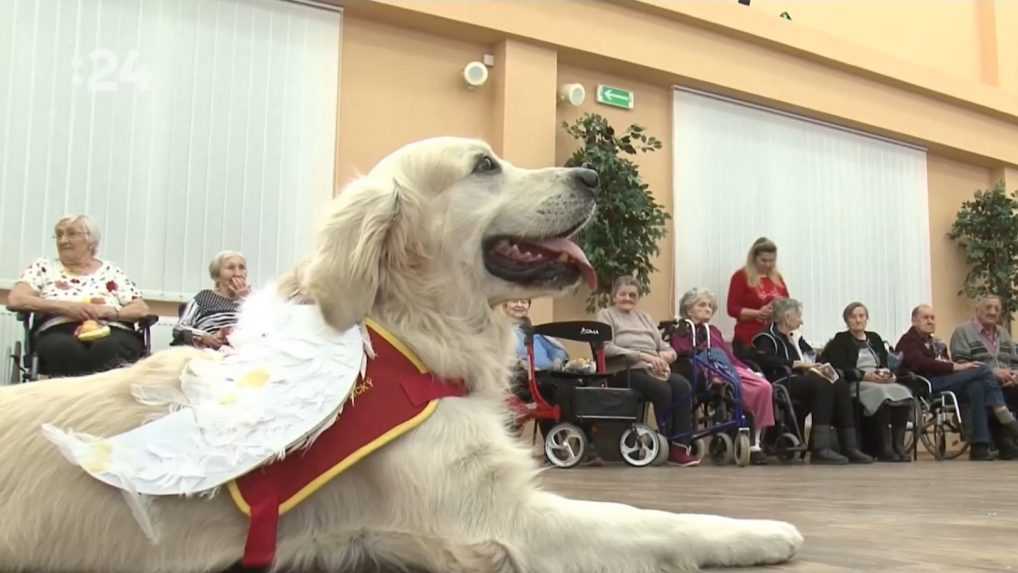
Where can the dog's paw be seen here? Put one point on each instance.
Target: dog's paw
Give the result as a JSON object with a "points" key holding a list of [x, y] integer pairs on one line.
{"points": [[758, 542]]}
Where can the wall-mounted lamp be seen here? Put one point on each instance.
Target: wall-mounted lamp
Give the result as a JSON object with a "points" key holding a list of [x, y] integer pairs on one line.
{"points": [[572, 93], [475, 74]]}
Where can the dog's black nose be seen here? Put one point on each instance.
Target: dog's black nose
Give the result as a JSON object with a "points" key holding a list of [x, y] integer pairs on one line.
{"points": [[586, 177]]}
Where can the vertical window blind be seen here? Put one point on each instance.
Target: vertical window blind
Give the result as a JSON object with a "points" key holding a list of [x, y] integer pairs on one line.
{"points": [[182, 127], [848, 211]]}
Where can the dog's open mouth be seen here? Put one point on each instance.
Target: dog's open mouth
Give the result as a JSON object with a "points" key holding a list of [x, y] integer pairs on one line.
{"points": [[538, 262]]}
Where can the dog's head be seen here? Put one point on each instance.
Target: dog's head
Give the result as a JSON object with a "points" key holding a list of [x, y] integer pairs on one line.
{"points": [[445, 219]]}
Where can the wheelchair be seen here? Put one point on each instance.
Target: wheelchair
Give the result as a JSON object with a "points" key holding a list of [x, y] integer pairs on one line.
{"points": [[26, 365], [937, 420], [563, 401], [725, 436], [722, 427]]}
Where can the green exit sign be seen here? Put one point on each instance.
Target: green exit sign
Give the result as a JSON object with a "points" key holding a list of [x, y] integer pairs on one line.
{"points": [[616, 97]]}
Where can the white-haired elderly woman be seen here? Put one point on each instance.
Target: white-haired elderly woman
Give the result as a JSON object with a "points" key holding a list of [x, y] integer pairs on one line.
{"points": [[781, 351], [861, 355], [75, 288], [208, 318], [697, 335]]}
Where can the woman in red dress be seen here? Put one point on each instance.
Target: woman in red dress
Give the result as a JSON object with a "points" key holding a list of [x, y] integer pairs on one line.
{"points": [[752, 291]]}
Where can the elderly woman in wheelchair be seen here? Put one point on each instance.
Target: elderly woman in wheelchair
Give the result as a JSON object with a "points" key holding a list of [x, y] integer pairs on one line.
{"points": [[209, 317], [695, 336], [788, 359], [862, 359], [84, 307]]}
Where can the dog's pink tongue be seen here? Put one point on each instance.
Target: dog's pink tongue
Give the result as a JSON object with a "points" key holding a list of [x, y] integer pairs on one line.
{"points": [[576, 254]]}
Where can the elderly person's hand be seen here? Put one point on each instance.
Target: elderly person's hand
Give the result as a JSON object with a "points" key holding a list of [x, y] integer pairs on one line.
{"points": [[82, 311], [238, 286], [1004, 376], [962, 366], [207, 341], [657, 364], [668, 355], [879, 376]]}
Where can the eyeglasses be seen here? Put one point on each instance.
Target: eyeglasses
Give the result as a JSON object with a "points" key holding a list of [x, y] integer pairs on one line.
{"points": [[69, 234]]}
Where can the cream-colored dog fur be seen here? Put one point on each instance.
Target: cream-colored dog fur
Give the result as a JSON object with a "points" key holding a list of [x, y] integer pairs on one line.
{"points": [[458, 494]]}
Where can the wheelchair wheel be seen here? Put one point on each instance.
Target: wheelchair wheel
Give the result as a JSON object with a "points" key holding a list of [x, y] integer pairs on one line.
{"points": [[664, 448], [917, 414], [565, 445], [742, 453], [699, 449], [639, 445], [722, 449], [944, 440], [786, 447]]}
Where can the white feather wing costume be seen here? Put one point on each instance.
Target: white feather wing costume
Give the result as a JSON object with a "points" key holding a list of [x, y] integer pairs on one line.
{"points": [[284, 383]]}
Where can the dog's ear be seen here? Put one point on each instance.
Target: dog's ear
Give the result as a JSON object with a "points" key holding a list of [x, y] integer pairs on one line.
{"points": [[369, 233]]}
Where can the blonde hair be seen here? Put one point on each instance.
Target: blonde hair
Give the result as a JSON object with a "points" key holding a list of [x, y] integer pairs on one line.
{"points": [[91, 229], [216, 265], [694, 296], [759, 247]]}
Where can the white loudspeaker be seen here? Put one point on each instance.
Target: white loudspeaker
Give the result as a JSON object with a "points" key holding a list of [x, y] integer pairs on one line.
{"points": [[475, 74], [572, 93]]}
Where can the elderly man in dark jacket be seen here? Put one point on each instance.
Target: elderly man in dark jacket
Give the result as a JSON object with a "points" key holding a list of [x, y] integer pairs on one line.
{"points": [[927, 356]]}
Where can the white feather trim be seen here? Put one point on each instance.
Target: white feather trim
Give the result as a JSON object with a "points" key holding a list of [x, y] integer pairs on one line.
{"points": [[284, 383]]}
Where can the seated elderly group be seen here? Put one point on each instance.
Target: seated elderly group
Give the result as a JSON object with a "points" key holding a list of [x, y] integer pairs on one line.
{"points": [[855, 368], [85, 307]]}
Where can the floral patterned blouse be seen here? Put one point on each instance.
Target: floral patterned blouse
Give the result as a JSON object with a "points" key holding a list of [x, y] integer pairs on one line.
{"points": [[52, 281]]}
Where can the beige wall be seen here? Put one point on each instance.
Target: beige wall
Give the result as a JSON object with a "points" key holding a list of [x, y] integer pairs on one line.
{"points": [[950, 183], [723, 47], [862, 63], [401, 85], [942, 35]]}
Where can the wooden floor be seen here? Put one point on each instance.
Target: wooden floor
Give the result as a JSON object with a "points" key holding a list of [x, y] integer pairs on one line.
{"points": [[927, 516]]}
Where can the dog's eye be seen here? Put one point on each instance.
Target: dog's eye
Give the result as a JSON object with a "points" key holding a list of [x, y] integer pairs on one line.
{"points": [[486, 165]]}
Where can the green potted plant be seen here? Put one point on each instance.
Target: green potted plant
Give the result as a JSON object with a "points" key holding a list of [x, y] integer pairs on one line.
{"points": [[623, 237], [987, 230]]}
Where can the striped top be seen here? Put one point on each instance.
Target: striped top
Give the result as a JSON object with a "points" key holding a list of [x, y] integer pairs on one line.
{"points": [[207, 313]]}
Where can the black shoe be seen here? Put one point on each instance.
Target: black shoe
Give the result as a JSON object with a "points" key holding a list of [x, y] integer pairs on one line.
{"points": [[822, 452], [850, 447], [980, 453], [757, 458], [898, 444], [1006, 450], [889, 456], [827, 456], [1012, 428]]}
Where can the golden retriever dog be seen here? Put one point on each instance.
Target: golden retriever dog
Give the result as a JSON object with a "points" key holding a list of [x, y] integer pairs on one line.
{"points": [[425, 244]]}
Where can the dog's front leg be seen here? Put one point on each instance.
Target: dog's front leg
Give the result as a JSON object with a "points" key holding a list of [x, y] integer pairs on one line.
{"points": [[559, 535]]}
